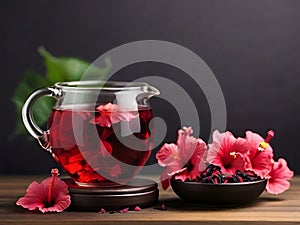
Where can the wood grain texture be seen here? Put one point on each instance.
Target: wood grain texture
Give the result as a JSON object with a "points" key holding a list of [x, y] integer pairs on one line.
{"points": [[268, 209]]}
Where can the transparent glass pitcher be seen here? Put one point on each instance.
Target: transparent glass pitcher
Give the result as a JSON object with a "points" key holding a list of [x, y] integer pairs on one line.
{"points": [[100, 133]]}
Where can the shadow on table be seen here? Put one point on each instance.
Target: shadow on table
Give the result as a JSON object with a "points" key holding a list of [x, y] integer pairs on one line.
{"points": [[178, 204]]}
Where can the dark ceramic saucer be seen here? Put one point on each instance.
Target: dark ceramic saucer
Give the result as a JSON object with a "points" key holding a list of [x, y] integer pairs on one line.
{"points": [[222, 195], [139, 192]]}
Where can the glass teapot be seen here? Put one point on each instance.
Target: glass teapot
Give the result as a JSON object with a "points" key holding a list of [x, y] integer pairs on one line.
{"points": [[99, 132]]}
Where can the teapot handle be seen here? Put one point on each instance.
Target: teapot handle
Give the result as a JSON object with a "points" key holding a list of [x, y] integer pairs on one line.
{"points": [[27, 114]]}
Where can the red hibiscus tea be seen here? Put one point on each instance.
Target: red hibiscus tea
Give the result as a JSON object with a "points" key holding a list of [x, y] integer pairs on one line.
{"points": [[100, 146], [103, 144]]}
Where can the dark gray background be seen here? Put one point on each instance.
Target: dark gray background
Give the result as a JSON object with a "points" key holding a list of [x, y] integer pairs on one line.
{"points": [[253, 48]]}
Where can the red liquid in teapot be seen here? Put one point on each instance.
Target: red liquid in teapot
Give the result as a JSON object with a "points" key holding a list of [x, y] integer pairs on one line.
{"points": [[98, 147]]}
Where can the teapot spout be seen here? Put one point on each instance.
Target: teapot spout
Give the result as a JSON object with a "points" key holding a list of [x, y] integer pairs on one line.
{"points": [[147, 93], [152, 91]]}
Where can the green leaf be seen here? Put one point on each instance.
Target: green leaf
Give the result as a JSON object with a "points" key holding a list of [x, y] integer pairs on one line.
{"points": [[69, 69], [30, 82], [57, 69]]}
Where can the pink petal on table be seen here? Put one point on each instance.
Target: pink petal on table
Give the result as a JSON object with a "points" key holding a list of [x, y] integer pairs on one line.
{"points": [[125, 210], [137, 208], [163, 207], [102, 211]]}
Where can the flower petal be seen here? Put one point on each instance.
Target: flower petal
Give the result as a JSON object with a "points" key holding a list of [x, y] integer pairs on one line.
{"points": [[137, 208], [215, 147], [279, 176], [102, 211], [198, 159], [168, 155], [254, 140], [186, 144], [125, 210], [33, 198], [111, 114], [105, 148], [167, 174], [228, 152], [183, 176], [61, 203], [114, 171], [163, 207], [258, 161]]}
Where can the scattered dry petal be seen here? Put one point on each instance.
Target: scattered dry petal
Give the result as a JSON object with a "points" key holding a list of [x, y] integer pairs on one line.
{"points": [[102, 211], [125, 210], [163, 207], [137, 208]]}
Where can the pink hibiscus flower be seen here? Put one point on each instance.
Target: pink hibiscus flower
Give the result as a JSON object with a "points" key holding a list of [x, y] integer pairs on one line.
{"points": [[279, 176], [228, 152], [111, 114], [260, 154], [182, 160], [49, 196]]}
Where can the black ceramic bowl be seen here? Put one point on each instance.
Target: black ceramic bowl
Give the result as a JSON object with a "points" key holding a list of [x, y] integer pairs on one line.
{"points": [[229, 194]]}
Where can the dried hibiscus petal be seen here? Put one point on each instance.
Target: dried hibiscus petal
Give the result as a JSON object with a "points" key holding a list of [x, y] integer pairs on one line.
{"points": [[137, 208], [75, 158], [73, 167], [102, 211], [111, 114], [213, 174], [125, 210]]}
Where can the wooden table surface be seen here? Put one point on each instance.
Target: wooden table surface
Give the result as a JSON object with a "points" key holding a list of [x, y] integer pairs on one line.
{"points": [[268, 209]]}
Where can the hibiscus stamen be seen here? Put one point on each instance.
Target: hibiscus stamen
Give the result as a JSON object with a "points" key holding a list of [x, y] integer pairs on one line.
{"points": [[187, 131], [263, 145], [270, 136], [233, 154], [176, 155], [54, 173]]}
